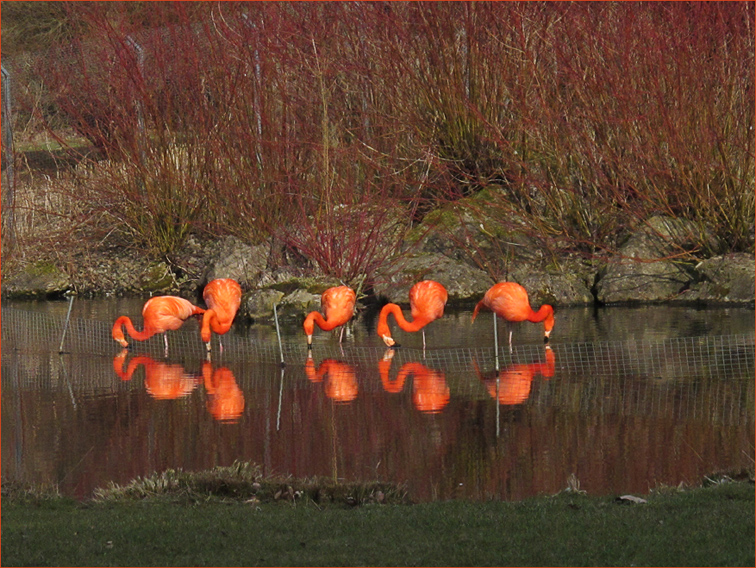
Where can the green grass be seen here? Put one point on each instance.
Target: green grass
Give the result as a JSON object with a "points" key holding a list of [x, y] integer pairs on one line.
{"points": [[707, 526]]}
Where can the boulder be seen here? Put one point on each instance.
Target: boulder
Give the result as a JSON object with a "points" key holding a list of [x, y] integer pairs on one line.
{"points": [[567, 284], [258, 304], [647, 268], [463, 282], [729, 279], [38, 280], [232, 258]]}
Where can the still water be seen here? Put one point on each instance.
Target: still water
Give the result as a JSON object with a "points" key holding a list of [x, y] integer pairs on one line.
{"points": [[624, 399]]}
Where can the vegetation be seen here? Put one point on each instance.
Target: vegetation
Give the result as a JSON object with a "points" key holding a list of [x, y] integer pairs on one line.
{"points": [[710, 526], [303, 121]]}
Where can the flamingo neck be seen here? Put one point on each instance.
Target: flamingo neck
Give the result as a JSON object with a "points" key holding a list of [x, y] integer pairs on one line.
{"points": [[132, 331], [210, 322], [545, 314], [317, 318], [477, 309], [383, 328]]}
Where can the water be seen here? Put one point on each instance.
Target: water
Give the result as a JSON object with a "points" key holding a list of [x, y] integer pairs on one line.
{"points": [[625, 400]]}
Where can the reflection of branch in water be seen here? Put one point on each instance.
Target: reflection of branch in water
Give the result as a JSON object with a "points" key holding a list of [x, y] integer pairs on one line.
{"points": [[163, 381], [340, 378], [430, 393], [514, 382]]}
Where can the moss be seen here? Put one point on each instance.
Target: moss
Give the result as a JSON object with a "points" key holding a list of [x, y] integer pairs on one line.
{"points": [[158, 277], [311, 285]]}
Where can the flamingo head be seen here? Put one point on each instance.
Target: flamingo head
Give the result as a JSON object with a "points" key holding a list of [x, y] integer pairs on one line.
{"points": [[388, 340]]}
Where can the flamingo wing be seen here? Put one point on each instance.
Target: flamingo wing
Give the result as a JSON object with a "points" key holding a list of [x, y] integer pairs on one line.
{"points": [[223, 296], [427, 300], [164, 313], [338, 304], [509, 300]]}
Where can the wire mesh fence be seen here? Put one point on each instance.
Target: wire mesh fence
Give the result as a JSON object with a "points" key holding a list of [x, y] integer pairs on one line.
{"points": [[702, 356]]}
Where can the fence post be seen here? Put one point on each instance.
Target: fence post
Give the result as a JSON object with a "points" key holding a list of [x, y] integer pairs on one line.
{"points": [[8, 166]]}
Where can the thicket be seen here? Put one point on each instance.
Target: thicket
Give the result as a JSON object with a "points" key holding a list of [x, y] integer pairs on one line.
{"points": [[335, 128]]}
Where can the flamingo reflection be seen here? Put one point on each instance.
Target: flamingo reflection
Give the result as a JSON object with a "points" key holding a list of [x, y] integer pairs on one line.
{"points": [[163, 381], [430, 393], [515, 381], [225, 399], [340, 378]]}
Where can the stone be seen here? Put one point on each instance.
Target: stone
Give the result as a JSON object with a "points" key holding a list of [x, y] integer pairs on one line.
{"points": [[728, 278], [235, 259]]}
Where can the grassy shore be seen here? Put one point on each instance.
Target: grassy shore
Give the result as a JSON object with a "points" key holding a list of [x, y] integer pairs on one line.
{"points": [[709, 526]]}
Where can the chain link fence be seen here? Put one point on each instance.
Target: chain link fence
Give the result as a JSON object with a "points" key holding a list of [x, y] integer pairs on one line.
{"points": [[705, 357]]}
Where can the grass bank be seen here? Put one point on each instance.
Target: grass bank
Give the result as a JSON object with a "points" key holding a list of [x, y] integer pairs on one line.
{"points": [[710, 526]]}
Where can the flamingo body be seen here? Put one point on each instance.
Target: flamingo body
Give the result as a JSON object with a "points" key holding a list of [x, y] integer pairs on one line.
{"points": [[160, 314], [223, 298], [510, 301], [427, 302], [337, 304]]}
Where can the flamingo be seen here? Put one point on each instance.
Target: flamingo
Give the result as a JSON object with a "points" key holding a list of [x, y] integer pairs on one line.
{"points": [[427, 301], [338, 305], [223, 297], [510, 301], [160, 314]]}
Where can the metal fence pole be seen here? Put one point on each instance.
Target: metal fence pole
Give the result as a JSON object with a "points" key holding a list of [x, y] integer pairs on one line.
{"points": [[8, 165]]}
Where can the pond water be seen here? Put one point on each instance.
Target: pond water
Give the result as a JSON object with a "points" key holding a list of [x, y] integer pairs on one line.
{"points": [[623, 400]]}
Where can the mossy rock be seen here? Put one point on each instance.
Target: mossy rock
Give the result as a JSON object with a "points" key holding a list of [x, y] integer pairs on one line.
{"points": [[38, 280], [311, 285], [157, 278]]}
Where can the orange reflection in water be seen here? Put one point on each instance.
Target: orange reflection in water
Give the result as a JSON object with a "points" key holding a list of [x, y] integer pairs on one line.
{"points": [[515, 381], [164, 381], [430, 393], [340, 378], [170, 381], [225, 399]]}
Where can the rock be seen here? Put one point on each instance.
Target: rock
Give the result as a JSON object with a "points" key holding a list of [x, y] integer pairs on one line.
{"points": [[38, 280], [729, 278], [291, 303], [567, 284], [235, 259], [298, 304], [258, 304], [645, 268], [463, 282], [158, 277]]}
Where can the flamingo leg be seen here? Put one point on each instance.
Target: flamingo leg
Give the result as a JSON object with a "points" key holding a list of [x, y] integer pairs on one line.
{"points": [[496, 342], [165, 338]]}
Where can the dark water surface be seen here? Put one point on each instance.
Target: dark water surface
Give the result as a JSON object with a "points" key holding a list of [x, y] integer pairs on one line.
{"points": [[624, 400]]}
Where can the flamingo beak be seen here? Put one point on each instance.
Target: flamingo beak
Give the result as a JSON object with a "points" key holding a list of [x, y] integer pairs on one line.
{"points": [[389, 341]]}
